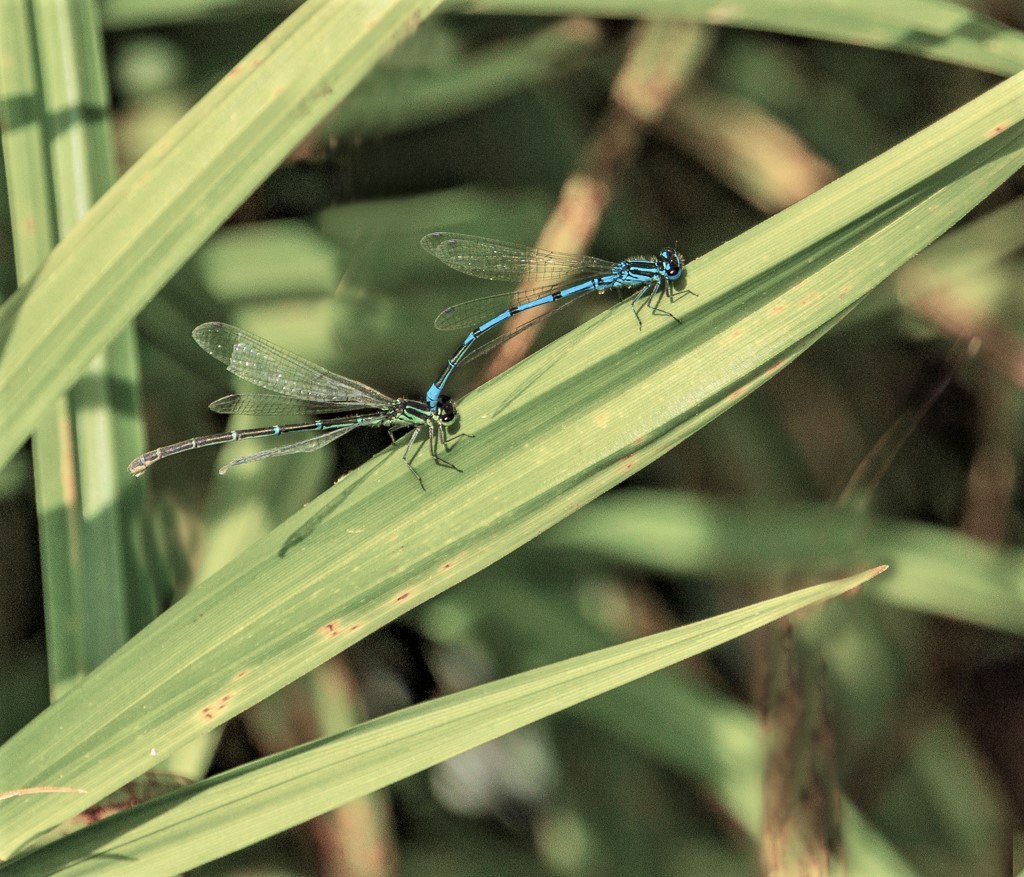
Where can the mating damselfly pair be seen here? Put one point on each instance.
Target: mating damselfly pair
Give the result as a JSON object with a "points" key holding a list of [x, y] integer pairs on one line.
{"points": [[332, 405]]}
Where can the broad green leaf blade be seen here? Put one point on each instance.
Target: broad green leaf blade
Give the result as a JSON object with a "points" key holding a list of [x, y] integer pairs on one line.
{"points": [[235, 809], [156, 216], [550, 435], [934, 29]]}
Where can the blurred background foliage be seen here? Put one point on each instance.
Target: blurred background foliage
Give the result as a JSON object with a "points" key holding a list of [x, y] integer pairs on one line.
{"points": [[485, 124]]}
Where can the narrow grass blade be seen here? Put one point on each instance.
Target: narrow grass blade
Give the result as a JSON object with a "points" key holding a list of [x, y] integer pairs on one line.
{"points": [[935, 29], [184, 829]]}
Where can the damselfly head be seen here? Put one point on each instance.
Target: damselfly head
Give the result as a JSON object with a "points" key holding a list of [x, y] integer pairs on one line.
{"points": [[445, 409], [671, 263]]}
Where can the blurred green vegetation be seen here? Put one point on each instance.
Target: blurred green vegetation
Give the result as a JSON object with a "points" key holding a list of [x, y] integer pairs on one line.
{"points": [[879, 730]]}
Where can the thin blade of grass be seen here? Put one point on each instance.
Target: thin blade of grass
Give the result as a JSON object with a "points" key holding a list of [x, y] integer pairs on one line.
{"points": [[933, 29], [236, 809]]}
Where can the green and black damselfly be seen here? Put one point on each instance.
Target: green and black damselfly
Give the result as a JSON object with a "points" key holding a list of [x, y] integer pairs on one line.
{"points": [[303, 389]]}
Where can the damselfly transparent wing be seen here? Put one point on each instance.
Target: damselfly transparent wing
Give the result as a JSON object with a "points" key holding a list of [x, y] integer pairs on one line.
{"points": [[305, 446], [265, 364], [477, 311], [497, 260], [280, 406]]}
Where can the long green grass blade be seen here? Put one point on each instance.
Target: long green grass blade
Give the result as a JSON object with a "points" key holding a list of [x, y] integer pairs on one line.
{"points": [[54, 70], [934, 29], [86, 624], [233, 810]]}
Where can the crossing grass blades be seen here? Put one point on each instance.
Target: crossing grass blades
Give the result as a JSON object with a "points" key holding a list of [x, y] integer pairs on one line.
{"points": [[330, 404]]}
